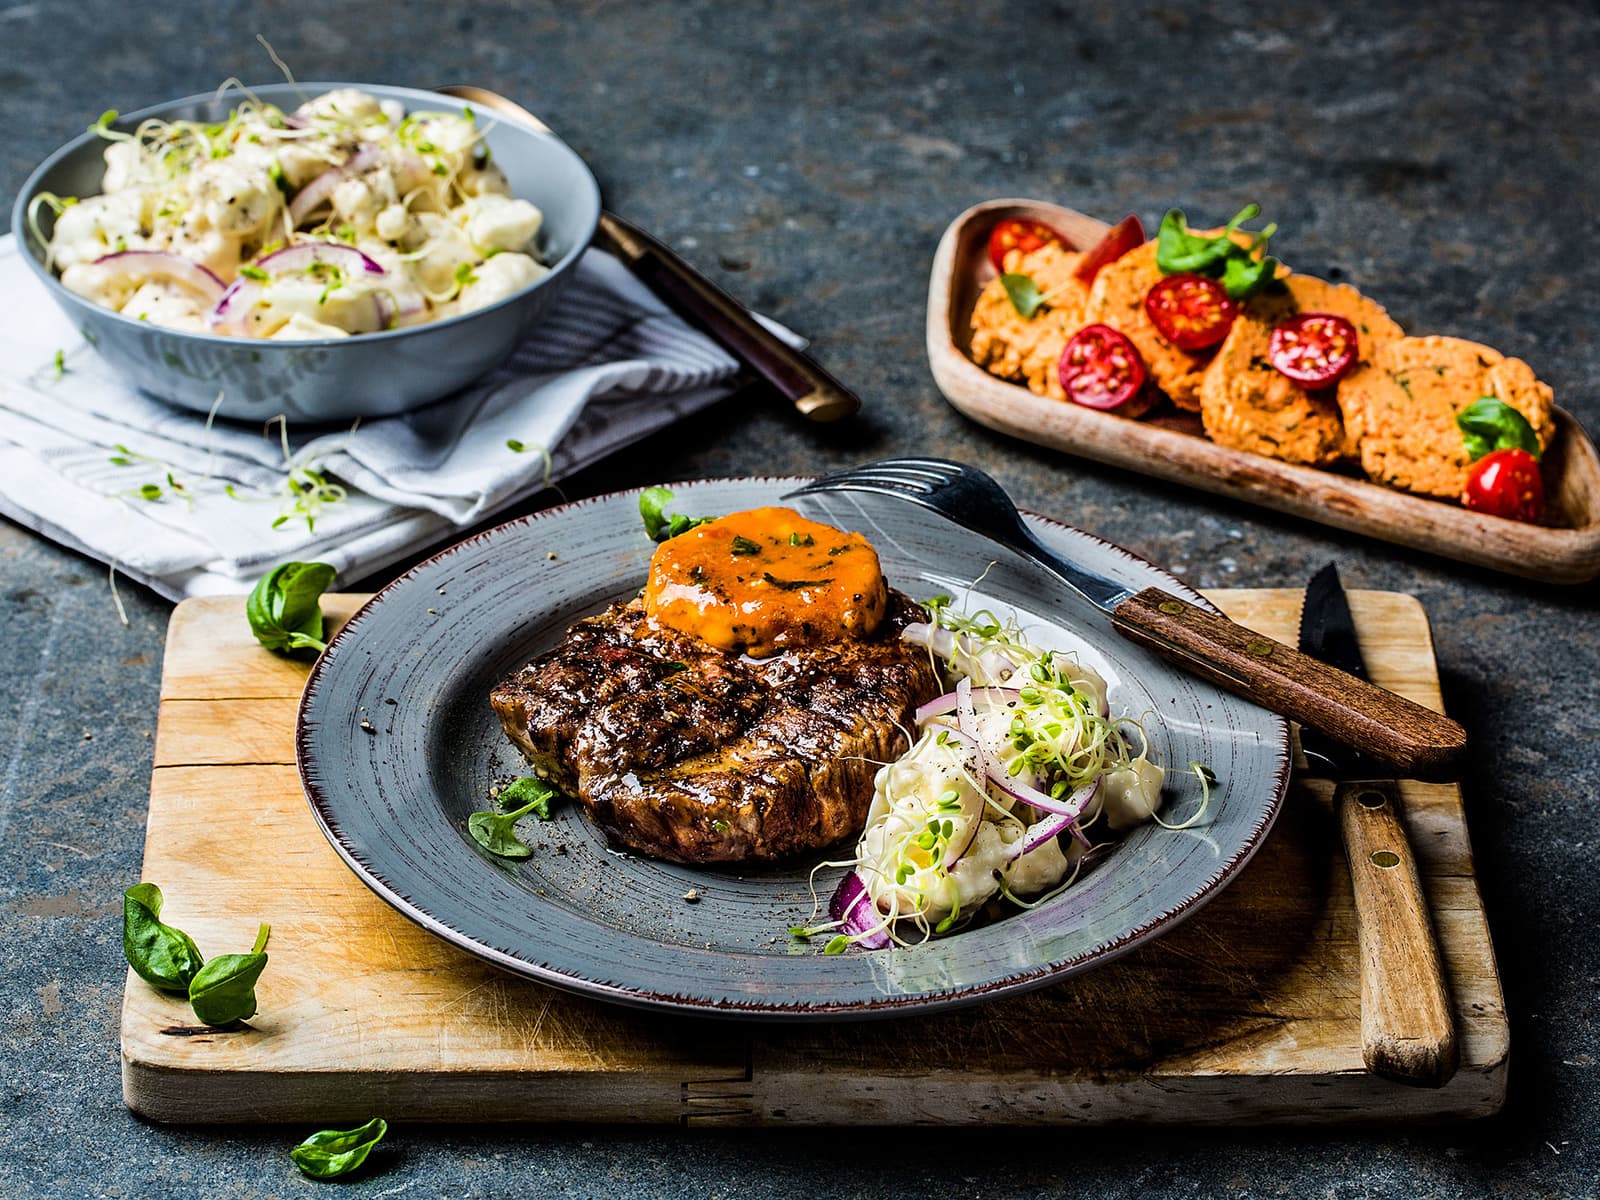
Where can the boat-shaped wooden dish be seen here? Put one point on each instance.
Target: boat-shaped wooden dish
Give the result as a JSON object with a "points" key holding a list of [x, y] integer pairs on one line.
{"points": [[1170, 444]]}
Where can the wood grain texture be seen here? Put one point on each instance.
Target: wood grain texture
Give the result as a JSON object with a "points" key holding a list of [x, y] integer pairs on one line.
{"points": [[1248, 1013], [1407, 1029], [1174, 447], [1418, 742]]}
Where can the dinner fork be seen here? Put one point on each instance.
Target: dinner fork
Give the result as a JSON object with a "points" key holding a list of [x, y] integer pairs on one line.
{"points": [[1418, 742]]}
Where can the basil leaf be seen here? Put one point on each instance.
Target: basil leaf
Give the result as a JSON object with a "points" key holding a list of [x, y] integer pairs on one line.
{"points": [[1178, 251], [659, 525], [1243, 270], [525, 793], [496, 831], [1023, 293], [283, 608], [1489, 424], [331, 1153], [224, 990], [164, 957]]}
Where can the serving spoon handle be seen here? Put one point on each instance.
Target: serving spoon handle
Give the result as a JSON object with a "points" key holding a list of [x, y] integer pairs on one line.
{"points": [[816, 394]]}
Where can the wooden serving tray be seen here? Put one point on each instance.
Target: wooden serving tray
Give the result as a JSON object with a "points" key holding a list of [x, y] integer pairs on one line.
{"points": [[1248, 1013], [1173, 446]]}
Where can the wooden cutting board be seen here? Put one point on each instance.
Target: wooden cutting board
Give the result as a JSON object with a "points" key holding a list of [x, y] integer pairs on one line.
{"points": [[1248, 1013]]}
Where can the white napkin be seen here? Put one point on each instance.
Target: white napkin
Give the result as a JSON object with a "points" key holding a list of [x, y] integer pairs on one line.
{"points": [[611, 366]]}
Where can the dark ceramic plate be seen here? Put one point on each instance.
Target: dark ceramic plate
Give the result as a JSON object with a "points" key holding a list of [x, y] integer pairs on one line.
{"points": [[417, 663]]}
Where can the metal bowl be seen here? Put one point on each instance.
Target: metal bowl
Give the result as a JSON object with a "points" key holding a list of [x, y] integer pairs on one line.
{"points": [[331, 379]]}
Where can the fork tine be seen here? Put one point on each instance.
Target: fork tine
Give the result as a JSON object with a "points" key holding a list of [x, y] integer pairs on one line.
{"points": [[886, 478], [835, 484]]}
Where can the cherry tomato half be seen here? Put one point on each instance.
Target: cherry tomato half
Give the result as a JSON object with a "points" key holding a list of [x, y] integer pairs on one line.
{"points": [[1119, 239], [1017, 234], [1191, 311], [1100, 368], [1506, 483], [1314, 349]]}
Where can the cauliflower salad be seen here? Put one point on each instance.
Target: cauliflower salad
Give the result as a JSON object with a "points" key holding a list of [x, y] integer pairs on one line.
{"points": [[346, 216], [1013, 773]]}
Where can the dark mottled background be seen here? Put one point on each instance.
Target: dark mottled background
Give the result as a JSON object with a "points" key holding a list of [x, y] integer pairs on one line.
{"points": [[808, 156]]}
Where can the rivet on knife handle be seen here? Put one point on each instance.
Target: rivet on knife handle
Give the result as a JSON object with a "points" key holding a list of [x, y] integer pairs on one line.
{"points": [[814, 392], [1416, 741], [1407, 1028]]}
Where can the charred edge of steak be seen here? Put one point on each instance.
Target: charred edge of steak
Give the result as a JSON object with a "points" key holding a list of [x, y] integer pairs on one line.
{"points": [[684, 752]]}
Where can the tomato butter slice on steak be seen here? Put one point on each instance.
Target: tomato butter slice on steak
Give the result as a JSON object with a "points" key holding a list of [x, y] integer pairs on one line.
{"points": [[682, 751]]}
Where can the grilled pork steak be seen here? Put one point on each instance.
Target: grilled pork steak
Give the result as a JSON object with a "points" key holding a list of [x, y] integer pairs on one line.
{"points": [[685, 752]]}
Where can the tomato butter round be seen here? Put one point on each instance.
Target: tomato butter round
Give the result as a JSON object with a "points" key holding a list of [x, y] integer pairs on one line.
{"points": [[765, 580]]}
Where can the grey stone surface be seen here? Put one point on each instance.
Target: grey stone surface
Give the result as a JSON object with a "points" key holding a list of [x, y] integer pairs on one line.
{"points": [[808, 156]]}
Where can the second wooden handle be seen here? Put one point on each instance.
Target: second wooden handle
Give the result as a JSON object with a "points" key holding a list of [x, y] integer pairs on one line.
{"points": [[1407, 1030], [814, 392], [1417, 742]]}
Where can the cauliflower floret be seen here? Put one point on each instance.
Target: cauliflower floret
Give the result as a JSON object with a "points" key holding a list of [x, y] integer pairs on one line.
{"points": [[303, 161], [495, 279], [165, 304], [211, 249], [301, 328], [1130, 796], [235, 198], [499, 222], [394, 223], [93, 228], [1041, 868], [482, 179], [343, 104], [124, 168], [447, 248], [359, 200]]}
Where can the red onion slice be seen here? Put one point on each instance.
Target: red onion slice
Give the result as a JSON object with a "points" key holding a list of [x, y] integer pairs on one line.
{"points": [[162, 264], [967, 719], [852, 906], [303, 256], [1023, 793], [234, 305], [311, 197]]}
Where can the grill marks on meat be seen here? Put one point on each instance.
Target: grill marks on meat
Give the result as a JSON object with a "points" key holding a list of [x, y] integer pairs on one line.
{"points": [[685, 752]]}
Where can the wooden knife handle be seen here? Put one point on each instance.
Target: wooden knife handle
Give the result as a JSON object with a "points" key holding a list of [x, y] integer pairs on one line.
{"points": [[1407, 1031], [703, 304], [1417, 742]]}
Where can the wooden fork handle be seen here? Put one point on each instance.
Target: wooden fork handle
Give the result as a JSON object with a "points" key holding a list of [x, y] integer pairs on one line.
{"points": [[1417, 742], [1407, 1031], [817, 395]]}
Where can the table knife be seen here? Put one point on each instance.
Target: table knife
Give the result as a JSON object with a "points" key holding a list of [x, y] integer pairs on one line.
{"points": [[1407, 1028]]}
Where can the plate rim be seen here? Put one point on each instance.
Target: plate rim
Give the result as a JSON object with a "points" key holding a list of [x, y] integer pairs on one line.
{"points": [[873, 1007]]}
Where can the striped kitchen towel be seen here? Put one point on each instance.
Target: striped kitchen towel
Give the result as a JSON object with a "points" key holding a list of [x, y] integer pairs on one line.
{"points": [[192, 507]]}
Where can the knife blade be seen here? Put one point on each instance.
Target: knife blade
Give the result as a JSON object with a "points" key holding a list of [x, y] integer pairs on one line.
{"points": [[1407, 1027]]}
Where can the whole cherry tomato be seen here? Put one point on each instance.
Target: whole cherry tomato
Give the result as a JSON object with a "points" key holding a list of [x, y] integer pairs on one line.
{"points": [[1506, 483], [1119, 239], [1191, 311], [1101, 368], [1014, 233], [1314, 349]]}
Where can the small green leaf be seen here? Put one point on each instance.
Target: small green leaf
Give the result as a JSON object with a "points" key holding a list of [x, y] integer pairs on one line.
{"points": [[465, 274], [224, 990], [514, 445], [1023, 293], [744, 545], [797, 539], [330, 1153], [250, 271], [659, 525], [1489, 424], [283, 608], [164, 957], [527, 792], [837, 945], [496, 831], [104, 123], [61, 363], [1237, 267], [150, 491]]}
